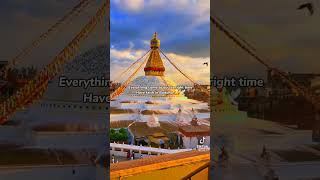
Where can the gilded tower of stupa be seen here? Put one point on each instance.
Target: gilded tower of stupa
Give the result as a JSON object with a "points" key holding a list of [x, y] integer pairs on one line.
{"points": [[154, 66], [154, 83]]}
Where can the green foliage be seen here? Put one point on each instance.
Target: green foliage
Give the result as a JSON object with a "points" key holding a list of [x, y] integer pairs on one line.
{"points": [[122, 131], [120, 135]]}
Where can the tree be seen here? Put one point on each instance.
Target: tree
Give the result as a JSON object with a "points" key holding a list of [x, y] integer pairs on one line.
{"points": [[122, 131], [120, 135]]}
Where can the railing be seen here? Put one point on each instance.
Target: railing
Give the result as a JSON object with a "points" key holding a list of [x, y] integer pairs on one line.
{"points": [[197, 171], [146, 149]]}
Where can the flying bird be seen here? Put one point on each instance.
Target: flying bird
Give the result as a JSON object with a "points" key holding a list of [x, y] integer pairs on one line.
{"points": [[308, 6], [206, 63]]}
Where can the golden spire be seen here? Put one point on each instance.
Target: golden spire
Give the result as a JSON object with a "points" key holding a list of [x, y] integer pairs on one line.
{"points": [[155, 42], [154, 66]]}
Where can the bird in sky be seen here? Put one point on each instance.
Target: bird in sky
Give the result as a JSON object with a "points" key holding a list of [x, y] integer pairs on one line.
{"points": [[308, 6], [205, 63]]}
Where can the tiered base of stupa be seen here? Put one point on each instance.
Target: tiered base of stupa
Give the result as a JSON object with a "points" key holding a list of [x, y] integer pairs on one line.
{"points": [[151, 88], [156, 95]]}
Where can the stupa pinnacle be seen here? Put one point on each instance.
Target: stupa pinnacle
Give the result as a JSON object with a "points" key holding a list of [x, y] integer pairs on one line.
{"points": [[154, 85], [154, 66]]}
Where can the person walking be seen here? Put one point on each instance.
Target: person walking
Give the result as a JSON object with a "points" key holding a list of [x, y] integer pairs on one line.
{"points": [[113, 159], [133, 156]]}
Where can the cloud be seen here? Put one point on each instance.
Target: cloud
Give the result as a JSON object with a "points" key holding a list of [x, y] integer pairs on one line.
{"points": [[183, 29], [122, 59], [142, 6], [130, 5], [182, 25], [191, 66], [125, 54]]}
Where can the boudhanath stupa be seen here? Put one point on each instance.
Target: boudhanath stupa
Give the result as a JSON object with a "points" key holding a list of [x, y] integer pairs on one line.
{"points": [[155, 96]]}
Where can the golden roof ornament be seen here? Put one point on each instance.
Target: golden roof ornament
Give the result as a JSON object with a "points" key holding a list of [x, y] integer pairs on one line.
{"points": [[155, 42]]}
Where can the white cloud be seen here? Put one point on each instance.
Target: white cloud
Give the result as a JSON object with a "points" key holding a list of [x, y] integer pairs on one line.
{"points": [[146, 42], [130, 5], [125, 54], [195, 7], [193, 67]]}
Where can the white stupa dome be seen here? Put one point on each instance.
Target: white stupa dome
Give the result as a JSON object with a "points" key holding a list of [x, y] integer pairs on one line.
{"points": [[151, 88], [91, 64], [153, 121], [64, 105]]}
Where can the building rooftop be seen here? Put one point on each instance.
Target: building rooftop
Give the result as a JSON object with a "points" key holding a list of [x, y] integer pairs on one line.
{"points": [[158, 135], [120, 124], [157, 162], [141, 129], [198, 130]]}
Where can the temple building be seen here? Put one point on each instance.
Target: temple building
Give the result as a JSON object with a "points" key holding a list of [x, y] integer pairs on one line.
{"points": [[155, 107], [192, 134], [154, 84], [158, 115], [154, 93]]}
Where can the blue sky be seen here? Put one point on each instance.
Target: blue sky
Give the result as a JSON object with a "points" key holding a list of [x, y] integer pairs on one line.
{"points": [[183, 27]]}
